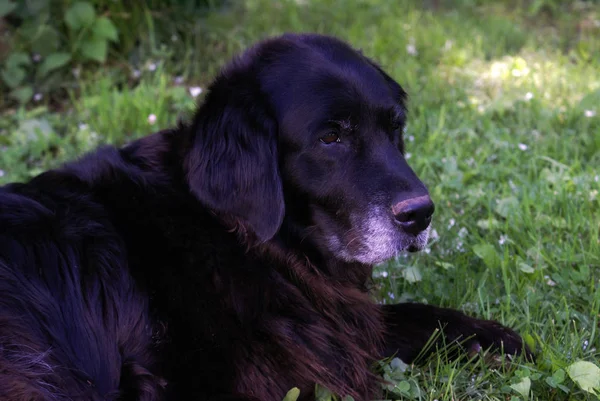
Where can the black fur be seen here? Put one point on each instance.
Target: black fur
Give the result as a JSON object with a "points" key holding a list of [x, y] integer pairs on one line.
{"points": [[229, 258]]}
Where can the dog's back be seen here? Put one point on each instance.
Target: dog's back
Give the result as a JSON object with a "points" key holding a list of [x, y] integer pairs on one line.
{"points": [[72, 323]]}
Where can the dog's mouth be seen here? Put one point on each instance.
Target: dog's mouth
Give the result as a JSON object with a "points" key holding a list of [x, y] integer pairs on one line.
{"points": [[378, 246], [418, 243], [414, 248]]}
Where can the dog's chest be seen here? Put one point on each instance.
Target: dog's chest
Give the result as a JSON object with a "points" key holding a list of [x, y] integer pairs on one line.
{"points": [[305, 340]]}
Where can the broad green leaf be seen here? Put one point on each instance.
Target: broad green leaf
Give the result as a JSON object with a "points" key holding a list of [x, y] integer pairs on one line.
{"points": [[52, 62], [525, 268], [412, 274], [529, 341], [80, 15], [104, 28], [590, 101], [22, 95], [586, 375], [46, 41], [34, 7], [95, 49], [488, 224], [507, 206], [403, 386], [13, 77], [17, 59], [6, 7], [323, 393], [398, 364], [292, 395], [445, 265], [35, 128], [488, 253], [558, 377], [522, 387]]}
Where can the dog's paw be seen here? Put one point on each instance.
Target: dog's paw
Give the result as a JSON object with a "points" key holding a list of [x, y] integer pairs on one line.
{"points": [[414, 331], [477, 336]]}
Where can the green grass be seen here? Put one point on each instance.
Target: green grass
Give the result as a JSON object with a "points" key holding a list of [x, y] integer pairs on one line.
{"points": [[504, 128]]}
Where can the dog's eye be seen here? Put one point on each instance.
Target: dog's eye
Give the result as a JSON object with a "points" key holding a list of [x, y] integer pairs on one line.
{"points": [[331, 137]]}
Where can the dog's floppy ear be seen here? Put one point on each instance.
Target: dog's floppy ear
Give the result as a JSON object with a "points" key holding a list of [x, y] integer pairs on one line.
{"points": [[233, 165]]}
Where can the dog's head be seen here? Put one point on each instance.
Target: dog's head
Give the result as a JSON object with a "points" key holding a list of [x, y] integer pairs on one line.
{"points": [[305, 128]]}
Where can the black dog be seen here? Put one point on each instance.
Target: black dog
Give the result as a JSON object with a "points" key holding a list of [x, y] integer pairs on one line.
{"points": [[229, 258]]}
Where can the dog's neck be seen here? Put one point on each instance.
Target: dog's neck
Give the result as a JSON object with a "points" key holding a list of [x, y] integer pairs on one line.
{"points": [[165, 149], [296, 237]]}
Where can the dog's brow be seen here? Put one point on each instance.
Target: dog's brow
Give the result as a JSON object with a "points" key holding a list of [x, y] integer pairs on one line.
{"points": [[345, 125]]}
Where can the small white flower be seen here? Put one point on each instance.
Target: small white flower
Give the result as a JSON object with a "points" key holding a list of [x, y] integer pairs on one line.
{"points": [[502, 239], [451, 223], [411, 49], [589, 113], [519, 73], [463, 232], [434, 234], [135, 74], [174, 38], [178, 80], [83, 127], [523, 147], [597, 178], [448, 45], [1, 173], [195, 91], [391, 295], [76, 72], [411, 138], [480, 108], [151, 66], [585, 344], [528, 96], [384, 274], [151, 119], [37, 97], [549, 281], [36, 57], [407, 156]]}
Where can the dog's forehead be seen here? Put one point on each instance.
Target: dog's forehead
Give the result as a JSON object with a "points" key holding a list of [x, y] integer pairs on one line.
{"points": [[330, 97], [336, 89]]}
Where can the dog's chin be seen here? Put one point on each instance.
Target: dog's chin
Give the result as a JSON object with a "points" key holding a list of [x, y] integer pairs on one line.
{"points": [[378, 246]]}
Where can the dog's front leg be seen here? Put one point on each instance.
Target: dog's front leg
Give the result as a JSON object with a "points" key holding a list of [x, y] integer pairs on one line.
{"points": [[409, 327]]}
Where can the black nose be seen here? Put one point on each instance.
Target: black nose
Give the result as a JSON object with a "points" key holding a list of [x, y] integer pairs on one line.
{"points": [[414, 214]]}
